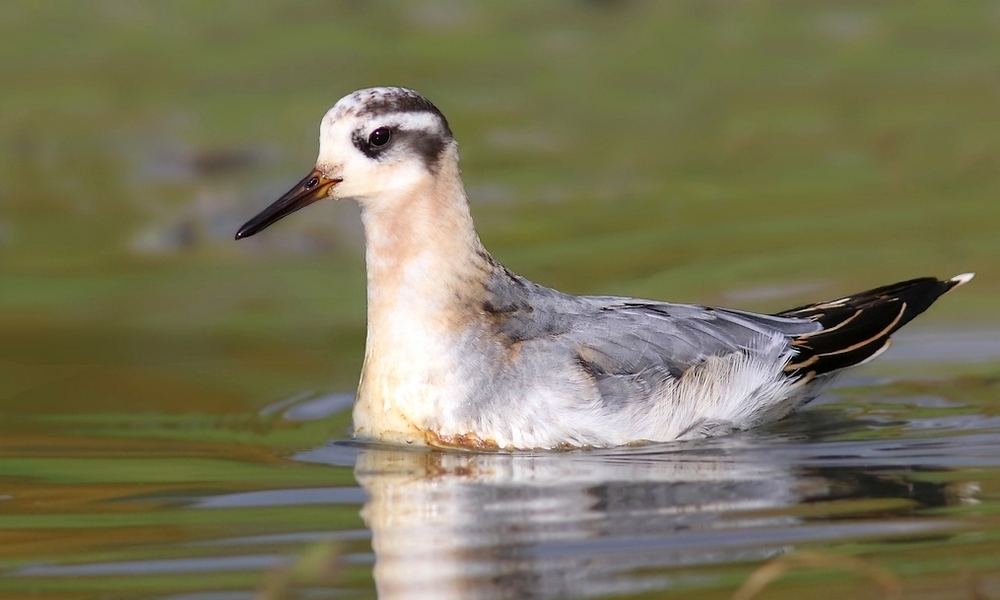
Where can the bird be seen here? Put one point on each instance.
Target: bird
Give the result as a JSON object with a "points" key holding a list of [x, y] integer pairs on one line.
{"points": [[462, 353]]}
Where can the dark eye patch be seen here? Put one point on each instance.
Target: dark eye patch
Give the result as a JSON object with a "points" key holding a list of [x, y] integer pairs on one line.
{"points": [[426, 145]]}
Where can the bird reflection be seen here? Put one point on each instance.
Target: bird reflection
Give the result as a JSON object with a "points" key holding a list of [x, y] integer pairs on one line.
{"points": [[460, 525], [624, 521]]}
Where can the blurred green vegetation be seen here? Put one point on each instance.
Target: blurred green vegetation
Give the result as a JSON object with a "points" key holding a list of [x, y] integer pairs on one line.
{"points": [[754, 154]]}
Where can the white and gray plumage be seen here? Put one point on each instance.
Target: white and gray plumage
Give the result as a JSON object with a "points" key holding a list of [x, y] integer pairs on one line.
{"points": [[462, 352]]}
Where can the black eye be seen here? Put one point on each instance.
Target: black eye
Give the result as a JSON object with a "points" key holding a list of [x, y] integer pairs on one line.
{"points": [[380, 137], [312, 183]]}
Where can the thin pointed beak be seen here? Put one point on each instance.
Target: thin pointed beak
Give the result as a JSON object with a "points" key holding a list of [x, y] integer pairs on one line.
{"points": [[312, 188]]}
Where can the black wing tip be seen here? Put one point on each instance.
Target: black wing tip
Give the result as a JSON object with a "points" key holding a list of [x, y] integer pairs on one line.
{"points": [[856, 328], [920, 291]]}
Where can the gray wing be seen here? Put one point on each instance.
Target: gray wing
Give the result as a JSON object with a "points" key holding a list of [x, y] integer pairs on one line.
{"points": [[631, 347]]}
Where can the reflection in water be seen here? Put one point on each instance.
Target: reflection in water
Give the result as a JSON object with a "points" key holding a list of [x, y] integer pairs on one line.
{"points": [[462, 525], [496, 526]]}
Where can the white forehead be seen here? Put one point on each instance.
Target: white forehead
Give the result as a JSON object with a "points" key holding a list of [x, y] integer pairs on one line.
{"points": [[335, 121], [385, 106]]}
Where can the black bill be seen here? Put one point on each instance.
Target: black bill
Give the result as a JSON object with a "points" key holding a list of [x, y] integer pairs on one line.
{"points": [[312, 188]]}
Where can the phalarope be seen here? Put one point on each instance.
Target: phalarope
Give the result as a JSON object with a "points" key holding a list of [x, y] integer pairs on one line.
{"points": [[462, 352]]}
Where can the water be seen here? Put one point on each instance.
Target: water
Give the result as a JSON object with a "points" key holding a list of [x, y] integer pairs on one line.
{"points": [[174, 406], [906, 481]]}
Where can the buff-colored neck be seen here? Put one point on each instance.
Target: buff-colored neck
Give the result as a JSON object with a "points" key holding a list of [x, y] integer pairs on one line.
{"points": [[421, 245], [427, 272]]}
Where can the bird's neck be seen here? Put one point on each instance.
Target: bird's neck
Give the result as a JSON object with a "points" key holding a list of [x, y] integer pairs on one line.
{"points": [[421, 247], [427, 274]]}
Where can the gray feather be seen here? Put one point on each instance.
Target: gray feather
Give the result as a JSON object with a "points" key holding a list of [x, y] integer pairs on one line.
{"points": [[630, 348]]}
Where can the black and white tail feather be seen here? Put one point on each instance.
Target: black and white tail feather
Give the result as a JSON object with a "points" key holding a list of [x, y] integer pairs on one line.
{"points": [[856, 328], [853, 330]]}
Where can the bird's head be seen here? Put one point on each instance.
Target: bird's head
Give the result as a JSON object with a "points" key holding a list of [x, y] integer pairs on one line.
{"points": [[375, 145]]}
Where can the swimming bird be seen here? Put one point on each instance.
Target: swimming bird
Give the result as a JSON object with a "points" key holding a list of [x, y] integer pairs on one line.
{"points": [[462, 352]]}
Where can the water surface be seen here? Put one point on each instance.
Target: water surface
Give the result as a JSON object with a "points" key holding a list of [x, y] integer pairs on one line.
{"points": [[902, 473]]}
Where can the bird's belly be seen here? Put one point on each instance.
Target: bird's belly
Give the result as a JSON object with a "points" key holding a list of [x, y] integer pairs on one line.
{"points": [[411, 393], [465, 404]]}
